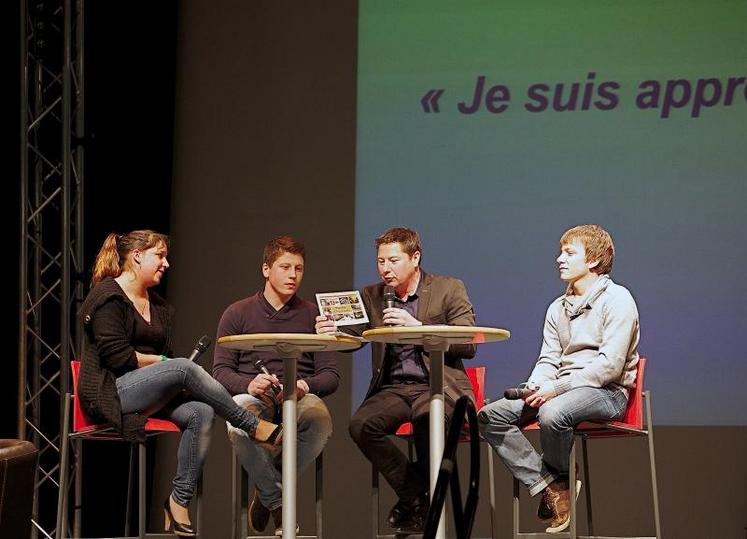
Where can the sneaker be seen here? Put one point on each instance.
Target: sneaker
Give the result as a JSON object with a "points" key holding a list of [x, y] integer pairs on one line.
{"points": [[544, 512], [258, 515], [558, 500], [277, 518]]}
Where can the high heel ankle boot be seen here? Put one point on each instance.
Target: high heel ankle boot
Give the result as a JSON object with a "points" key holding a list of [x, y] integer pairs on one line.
{"points": [[170, 524], [273, 440]]}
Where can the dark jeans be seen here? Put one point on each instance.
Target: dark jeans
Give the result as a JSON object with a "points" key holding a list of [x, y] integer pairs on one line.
{"points": [[181, 391], [379, 417]]}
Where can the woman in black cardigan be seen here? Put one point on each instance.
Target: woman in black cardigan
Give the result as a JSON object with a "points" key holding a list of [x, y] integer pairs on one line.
{"points": [[127, 372]]}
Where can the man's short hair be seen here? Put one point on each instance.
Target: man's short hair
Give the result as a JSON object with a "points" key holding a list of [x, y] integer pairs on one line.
{"points": [[597, 243], [406, 237], [275, 248]]}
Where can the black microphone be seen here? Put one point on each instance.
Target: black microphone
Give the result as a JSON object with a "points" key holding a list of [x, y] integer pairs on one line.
{"points": [[515, 393], [389, 297], [276, 389], [200, 347]]}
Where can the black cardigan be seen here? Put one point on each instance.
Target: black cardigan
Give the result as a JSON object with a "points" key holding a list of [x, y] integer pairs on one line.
{"points": [[108, 321]]}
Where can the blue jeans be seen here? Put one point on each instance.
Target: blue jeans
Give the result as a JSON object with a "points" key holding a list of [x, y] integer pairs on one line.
{"points": [[314, 429], [181, 391], [500, 424]]}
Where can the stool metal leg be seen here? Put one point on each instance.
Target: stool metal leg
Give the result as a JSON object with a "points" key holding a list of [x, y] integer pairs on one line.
{"points": [[77, 446], [572, 487], [141, 491], [128, 505], [374, 502], [515, 511], [587, 479], [491, 480], [652, 459], [319, 493], [236, 481], [62, 496], [198, 509]]}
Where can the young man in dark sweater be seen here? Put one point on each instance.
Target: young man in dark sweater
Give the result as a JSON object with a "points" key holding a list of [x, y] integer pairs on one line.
{"points": [[275, 309]]}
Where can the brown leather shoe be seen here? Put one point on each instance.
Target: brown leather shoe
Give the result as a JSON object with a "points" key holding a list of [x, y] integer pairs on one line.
{"points": [[544, 511], [258, 515], [269, 436], [558, 500]]}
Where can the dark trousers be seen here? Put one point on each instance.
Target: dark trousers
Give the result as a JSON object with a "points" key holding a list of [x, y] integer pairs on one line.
{"points": [[379, 417]]}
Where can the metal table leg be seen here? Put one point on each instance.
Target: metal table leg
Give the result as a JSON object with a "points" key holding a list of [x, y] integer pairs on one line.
{"points": [[436, 347], [290, 354]]}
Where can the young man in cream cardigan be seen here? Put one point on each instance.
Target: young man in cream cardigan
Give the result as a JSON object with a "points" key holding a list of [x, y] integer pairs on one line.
{"points": [[586, 366]]}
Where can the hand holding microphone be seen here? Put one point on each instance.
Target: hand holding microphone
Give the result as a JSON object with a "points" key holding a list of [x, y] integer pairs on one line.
{"points": [[535, 396], [393, 315], [387, 302], [516, 393], [202, 344], [274, 387], [520, 392], [389, 297]]}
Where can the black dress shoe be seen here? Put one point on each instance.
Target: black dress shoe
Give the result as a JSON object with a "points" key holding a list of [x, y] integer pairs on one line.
{"points": [[408, 516], [416, 524]]}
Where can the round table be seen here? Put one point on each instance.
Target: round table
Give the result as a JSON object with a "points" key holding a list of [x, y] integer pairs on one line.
{"points": [[436, 340], [289, 347]]}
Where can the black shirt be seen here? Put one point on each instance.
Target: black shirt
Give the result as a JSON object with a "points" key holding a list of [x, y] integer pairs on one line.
{"points": [[406, 360]]}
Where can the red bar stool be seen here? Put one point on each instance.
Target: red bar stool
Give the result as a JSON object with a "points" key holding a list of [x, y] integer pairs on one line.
{"points": [[632, 424], [85, 429]]}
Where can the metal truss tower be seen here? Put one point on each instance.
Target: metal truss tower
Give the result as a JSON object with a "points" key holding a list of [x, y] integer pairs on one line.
{"points": [[51, 233]]}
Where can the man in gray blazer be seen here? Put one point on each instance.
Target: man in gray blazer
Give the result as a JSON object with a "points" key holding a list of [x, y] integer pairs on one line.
{"points": [[399, 389]]}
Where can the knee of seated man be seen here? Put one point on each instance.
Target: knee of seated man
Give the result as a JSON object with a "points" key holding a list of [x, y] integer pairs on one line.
{"points": [[355, 429], [237, 436], [315, 416], [361, 430], [255, 405], [495, 413], [553, 416]]}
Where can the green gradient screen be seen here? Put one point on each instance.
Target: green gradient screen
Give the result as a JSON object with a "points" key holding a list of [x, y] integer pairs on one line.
{"points": [[491, 127]]}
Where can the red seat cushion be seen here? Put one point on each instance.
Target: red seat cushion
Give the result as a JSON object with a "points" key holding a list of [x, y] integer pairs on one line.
{"points": [[633, 417], [82, 423]]}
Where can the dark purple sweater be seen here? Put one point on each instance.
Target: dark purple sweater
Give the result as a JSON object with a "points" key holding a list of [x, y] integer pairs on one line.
{"points": [[235, 368]]}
